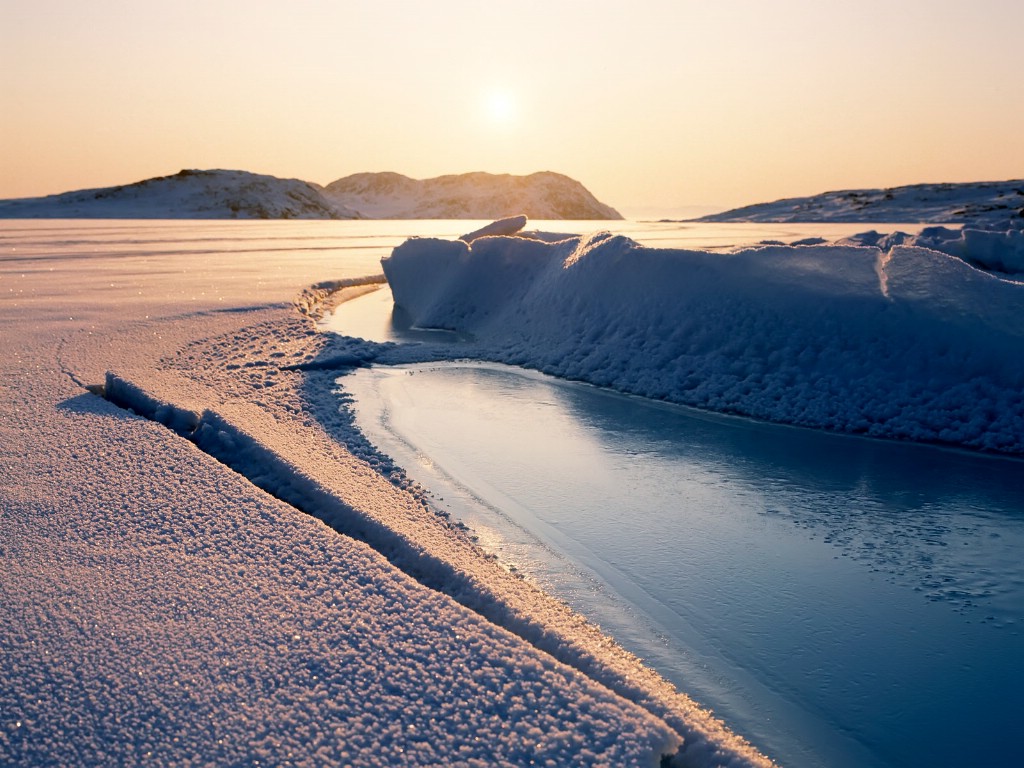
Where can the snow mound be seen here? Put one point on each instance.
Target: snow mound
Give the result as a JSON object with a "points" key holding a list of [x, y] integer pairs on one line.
{"points": [[989, 250], [544, 195], [986, 205], [909, 343], [189, 194]]}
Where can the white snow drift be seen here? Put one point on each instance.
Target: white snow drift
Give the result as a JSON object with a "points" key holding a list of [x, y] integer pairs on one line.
{"points": [[905, 343]]}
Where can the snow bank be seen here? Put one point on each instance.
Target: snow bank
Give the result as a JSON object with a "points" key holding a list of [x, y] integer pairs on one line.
{"points": [[986, 249], [301, 469], [907, 344]]}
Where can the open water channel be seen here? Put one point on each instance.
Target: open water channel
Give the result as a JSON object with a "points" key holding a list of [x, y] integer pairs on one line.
{"points": [[839, 601]]}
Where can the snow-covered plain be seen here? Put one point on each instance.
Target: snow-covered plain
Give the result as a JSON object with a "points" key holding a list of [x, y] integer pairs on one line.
{"points": [[177, 596]]}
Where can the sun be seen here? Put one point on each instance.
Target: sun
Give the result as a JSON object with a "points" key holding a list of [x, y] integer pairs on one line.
{"points": [[500, 107]]}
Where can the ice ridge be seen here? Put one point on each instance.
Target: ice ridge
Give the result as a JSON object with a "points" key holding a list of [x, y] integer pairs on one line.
{"points": [[907, 343]]}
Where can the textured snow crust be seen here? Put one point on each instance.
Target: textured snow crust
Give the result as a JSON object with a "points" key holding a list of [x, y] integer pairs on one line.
{"points": [[906, 343], [194, 570]]}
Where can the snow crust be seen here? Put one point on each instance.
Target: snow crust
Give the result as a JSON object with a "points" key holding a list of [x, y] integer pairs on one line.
{"points": [[905, 343], [195, 570]]}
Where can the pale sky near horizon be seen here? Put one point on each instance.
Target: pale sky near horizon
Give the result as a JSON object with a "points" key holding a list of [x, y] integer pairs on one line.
{"points": [[650, 104]]}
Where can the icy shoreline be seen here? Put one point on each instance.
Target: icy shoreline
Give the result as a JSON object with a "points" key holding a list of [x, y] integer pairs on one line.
{"points": [[161, 607], [202, 618], [905, 343]]}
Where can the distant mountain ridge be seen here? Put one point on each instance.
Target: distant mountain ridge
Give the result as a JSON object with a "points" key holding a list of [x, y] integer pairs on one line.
{"points": [[225, 194], [987, 204], [189, 194]]}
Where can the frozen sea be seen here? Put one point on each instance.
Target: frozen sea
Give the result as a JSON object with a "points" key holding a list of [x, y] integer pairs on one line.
{"points": [[839, 601]]}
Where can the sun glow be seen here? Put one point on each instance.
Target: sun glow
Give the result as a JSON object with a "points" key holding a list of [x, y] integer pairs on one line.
{"points": [[649, 110], [500, 107]]}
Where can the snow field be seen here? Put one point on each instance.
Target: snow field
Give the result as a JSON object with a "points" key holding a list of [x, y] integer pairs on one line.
{"points": [[249, 634], [158, 607], [271, 440]]}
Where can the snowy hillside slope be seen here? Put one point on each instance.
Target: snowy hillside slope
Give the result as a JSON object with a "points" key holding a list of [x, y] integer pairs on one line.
{"points": [[544, 195], [189, 194], [908, 343], [987, 205], [221, 194], [993, 251]]}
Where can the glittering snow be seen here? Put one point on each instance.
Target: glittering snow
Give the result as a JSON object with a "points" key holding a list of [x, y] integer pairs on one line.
{"points": [[239, 588]]}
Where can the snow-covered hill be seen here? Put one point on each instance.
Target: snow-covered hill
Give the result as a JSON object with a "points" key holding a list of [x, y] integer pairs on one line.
{"points": [[220, 194], [214, 194], [987, 204], [544, 195]]}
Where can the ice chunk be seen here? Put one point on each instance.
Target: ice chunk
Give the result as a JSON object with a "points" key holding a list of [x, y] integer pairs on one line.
{"points": [[509, 226]]}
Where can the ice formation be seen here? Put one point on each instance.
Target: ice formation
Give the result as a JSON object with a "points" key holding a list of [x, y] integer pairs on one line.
{"points": [[902, 342]]}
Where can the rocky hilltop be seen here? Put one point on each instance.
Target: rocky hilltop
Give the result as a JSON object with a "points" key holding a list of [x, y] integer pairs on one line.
{"points": [[987, 204], [544, 195], [222, 194]]}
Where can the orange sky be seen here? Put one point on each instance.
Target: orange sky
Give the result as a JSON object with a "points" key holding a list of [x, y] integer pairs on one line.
{"points": [[655, 103]]}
